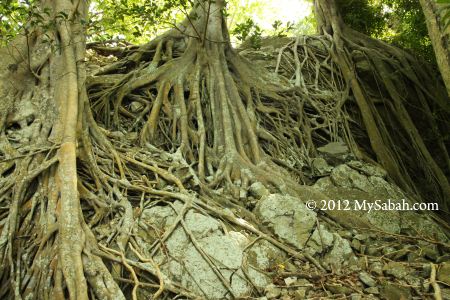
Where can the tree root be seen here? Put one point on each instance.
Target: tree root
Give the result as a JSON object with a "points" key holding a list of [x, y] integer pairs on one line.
{"points": [[176, 120]]}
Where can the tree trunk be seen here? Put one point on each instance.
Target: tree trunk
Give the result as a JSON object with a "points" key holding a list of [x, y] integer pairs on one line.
{"points": [[43, 84], [330, 23], [210, 121], [439, 38], [76, 174], [346, 42]]}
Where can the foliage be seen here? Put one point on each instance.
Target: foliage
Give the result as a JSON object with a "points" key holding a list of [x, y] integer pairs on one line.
{"points": [[365, 16], [445, 12], [400, 22], [250, 19], [250, 30], [407, 23], [17, 17], [308, 26], [13, 16], [133, 20], [137, 21], [280, 30]]}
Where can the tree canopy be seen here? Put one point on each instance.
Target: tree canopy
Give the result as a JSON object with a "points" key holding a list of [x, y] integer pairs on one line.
{"points": [[144, 154], [400, 22]]}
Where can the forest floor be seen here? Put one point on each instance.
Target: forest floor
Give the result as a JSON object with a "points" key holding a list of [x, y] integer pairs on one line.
{"points": [[203, 172], [259, 243]]}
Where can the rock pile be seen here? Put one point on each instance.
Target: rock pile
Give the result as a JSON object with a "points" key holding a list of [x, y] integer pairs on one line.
{"points": [[362, 255]]}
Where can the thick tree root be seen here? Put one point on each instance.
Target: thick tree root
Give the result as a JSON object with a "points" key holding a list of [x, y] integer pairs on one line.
{"points": [[392, 132], [177, 119]]}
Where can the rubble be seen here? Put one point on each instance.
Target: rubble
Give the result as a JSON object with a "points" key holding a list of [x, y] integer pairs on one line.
{"points": [[376, 264]]}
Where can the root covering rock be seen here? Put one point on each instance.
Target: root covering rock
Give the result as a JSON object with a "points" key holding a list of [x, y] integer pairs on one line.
{"points": [[287, 217], [357, 186], [181, 169], [188, 262]]}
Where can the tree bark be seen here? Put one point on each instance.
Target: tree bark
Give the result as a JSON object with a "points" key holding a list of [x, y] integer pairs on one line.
{"points": [[49, 84], [200, 97], [345, 42], [331, 23], [439, 38]]}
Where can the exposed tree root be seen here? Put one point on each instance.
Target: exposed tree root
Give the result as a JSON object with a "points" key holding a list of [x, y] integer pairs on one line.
{"points": [[176, 119], [393, 135]]}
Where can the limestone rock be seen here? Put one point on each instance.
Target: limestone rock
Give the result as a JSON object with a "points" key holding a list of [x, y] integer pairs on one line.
{"points": [[337, 250], [136, 106], [361, 62], [188, 266], [263, 255], [356, 244], [423, 225], [388, 250], [443, 258], [259, 279], [338, 289], [361, 237], [367, 169], [320, 240], [444, 273], [300, 294], [392, 291], [290, 280], [258, 190], [272, 292], [430, 252], [377, 268], [355, 296], [334, 148], [445, 292], [340, 255], [372, 290], [397, 269], [320, 166], [412, 280], [362, 185], [287, 217], [367, 279]]}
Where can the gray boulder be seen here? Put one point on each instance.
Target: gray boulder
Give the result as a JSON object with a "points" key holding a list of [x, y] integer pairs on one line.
{"points": [[341, 255], [320, 166], [287, 217], [320, 241], [334, 149], [362, 185], [189, 264]]}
